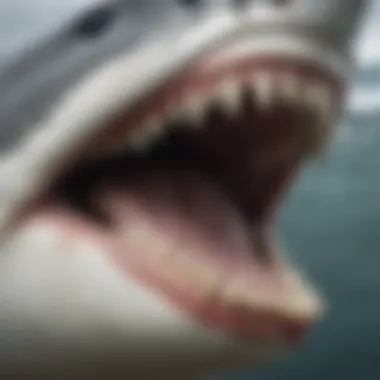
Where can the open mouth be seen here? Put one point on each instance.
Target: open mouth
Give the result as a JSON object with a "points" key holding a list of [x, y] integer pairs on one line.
{"points": [[182, 191]]}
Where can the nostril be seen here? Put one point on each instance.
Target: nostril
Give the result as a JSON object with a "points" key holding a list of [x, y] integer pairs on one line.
{"points": [[281, 3], [191, 2], [240, 3], [95, 22]]}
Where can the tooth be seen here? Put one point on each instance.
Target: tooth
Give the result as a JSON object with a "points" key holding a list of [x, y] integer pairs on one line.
{"points": [[115, 148], [306, 302], [142, 237], [319, 97], [174, 112], [289, 88], [143, 138], [230, 96], [139, 142], [202, 274], [195, 109], [236, 292], [263, 89], [302, 302]]}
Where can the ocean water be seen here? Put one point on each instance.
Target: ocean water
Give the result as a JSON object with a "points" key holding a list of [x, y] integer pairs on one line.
{"points": [[331, 225]]}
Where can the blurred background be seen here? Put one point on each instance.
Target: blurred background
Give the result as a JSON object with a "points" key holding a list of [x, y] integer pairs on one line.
{"points": [[331, 221]]}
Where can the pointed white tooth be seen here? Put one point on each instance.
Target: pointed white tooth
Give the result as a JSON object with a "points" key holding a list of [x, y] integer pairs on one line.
{"points": [[143, 237], [139, 142], [154, 126], [174, 112], [230, 96], [263, 89], [143, 138], [237, 292], [307, 302], [195, 109], [319, 97], [204, 275], [114, 149], [289, 87], [302, 302]]}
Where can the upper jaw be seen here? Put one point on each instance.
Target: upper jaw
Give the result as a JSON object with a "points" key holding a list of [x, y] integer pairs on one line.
{"points": [[85, 110]]}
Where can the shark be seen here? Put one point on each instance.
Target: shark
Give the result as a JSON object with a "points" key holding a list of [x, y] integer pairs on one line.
{"points": [[146, 147]]}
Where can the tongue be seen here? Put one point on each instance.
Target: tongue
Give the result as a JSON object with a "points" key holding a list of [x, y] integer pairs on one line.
{"points": [[186, 210], [187, 218]]}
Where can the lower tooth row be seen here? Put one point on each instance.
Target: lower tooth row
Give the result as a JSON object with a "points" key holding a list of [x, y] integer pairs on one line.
{"points": [[144, 238], [302, 303], [141, 237]]}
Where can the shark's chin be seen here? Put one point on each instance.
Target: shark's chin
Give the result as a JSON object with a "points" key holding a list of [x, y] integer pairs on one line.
{"points": [[91, 320]]}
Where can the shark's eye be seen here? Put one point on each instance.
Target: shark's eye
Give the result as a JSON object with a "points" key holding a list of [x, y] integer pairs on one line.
{"points": [[191, 2], [281, 3], [240, 3], [94, 22]]}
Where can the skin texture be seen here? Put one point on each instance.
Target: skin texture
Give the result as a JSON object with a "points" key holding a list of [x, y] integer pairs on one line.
{"points": [[65, 310]]}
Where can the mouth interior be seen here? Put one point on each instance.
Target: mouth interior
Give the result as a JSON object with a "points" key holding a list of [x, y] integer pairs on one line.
{"points": [[198, 184], [224, 156], [221, 176]]}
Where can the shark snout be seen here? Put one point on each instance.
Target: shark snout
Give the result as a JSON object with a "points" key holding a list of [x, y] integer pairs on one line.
{"points": [[287, 28]]}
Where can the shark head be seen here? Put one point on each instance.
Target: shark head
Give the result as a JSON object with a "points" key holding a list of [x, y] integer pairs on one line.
{"points": [[146, 147]]}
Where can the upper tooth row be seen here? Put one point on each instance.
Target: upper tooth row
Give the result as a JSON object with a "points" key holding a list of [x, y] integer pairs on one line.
{"points": [[266, 89]]}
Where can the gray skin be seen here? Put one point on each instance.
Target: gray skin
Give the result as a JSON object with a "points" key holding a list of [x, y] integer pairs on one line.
{"points": [[50, 320]]}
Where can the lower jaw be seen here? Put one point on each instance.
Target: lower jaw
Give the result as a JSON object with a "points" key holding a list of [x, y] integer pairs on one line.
{"points": [[197, 296], [226, 303], [201, 297]]}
